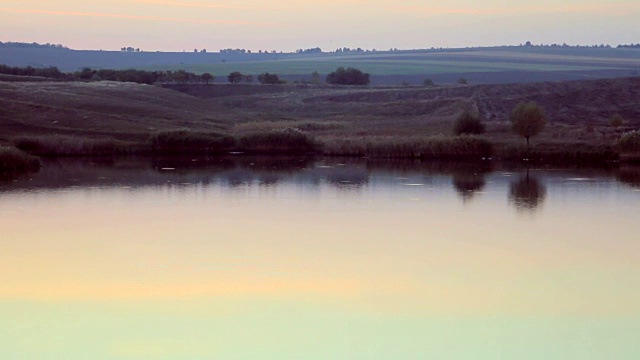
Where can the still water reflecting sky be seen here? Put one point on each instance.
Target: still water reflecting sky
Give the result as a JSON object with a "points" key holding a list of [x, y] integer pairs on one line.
{"points": [[319, 259]]}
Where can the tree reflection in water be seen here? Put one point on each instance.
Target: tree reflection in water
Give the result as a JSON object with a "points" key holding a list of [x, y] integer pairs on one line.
{"points": [[527, 193], [469, 178], [467, 185]]}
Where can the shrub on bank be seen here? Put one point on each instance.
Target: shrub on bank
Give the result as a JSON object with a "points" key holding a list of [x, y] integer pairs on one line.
{"points": [[348, 76], [60, 145], [186, 141], [12, 159], [468, 123], [284, 140]]}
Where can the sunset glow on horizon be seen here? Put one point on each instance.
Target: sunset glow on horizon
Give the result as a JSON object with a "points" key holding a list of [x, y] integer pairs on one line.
{"points": [[177, 25]]}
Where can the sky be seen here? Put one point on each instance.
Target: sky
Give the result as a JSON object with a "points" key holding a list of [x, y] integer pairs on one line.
{"points": [[285, 25]]}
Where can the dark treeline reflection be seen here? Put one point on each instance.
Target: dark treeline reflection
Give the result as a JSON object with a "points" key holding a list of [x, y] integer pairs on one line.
{"points": [[467, 178], [527, 193]]}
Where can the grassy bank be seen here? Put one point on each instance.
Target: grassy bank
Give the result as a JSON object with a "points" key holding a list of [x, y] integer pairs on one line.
{"points": [[293, 141], [12, 160], [110, 119]]}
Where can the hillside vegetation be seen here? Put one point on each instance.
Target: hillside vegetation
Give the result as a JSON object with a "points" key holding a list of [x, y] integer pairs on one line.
{"points": [[396, 121]]}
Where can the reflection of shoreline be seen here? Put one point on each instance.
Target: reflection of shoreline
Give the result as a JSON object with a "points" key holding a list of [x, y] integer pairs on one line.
{"points": [[527, 193], [629, 175], [466, 178]]}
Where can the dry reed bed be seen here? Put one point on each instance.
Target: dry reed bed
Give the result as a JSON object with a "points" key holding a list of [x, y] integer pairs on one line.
{"points": [[415, 147], [12, 159], [62, 145]]}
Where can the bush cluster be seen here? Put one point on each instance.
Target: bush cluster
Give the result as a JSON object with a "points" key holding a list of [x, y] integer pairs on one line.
{"points": [[348, 76], [468, 123], [271, 79]]}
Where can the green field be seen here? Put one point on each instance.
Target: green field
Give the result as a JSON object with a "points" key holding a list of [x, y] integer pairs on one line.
{"points": [[496, 65], [455, 62], [378, 67]]}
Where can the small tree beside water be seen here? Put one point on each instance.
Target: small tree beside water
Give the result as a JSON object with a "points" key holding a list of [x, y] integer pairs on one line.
{"points": [[527, 120]]}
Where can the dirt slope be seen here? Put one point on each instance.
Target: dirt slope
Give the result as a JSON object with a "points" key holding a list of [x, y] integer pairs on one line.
{"points": [[570, 102]]}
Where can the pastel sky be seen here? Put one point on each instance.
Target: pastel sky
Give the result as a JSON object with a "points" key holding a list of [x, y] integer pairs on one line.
{"points": [[287, 25]]}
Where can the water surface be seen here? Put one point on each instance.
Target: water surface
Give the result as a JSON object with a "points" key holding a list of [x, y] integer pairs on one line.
{"points": [[242, 258]]}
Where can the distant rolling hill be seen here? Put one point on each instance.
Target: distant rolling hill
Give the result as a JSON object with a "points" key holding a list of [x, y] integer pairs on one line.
{"points": [[477, 65], [123, 111]]}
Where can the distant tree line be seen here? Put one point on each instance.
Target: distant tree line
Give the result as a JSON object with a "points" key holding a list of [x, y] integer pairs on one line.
{"points": [[630, 46], [130, 49], [49, 72], [129, 75], [565, 45], [315, 50], [32, 45], [143, 76]]}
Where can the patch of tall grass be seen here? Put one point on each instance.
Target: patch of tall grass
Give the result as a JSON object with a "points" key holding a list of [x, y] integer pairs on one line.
{"points": [[12, 159], [188, 142], [62, 145], [290, 140], [435, 147]]}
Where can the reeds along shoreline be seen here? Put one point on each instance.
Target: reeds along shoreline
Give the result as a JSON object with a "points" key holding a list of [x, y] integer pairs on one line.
{"points": [[187, 142], [418, 147], [294, 141]]}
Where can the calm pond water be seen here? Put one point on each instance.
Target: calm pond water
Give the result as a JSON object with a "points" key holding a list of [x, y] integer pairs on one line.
{"points": [[319, 259]]}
